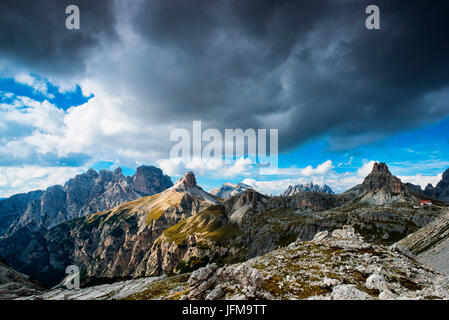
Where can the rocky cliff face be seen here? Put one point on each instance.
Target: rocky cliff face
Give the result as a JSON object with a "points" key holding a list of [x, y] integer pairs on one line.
{"points": [[184, 228], [381, 178], [338, 265], [380, 188], [14, 284], [430, 244], [110, 244], [12, 208], [86, 193], [310, 187], [334, 265], [228, 190], [441, 190]]}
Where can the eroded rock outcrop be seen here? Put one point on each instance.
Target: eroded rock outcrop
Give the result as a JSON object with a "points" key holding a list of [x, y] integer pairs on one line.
{"points": [[228, 190], [14, 284], [441, 190], [111, 244], [337, 265], [430, 244], [381, 188], [309, 187], [87, 193]]}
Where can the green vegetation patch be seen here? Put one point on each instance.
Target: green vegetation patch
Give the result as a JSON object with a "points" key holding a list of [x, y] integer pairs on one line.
{"points": [[193, 264], [161, 288], [211, 221]]}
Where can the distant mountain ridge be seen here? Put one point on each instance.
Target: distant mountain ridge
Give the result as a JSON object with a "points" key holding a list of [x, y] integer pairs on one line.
{"points": [[309, 187], [120, 242], [86, 193], [228, 190], [14, 284], [184, 227], [441, 190], [381, 188], [430, 244]]}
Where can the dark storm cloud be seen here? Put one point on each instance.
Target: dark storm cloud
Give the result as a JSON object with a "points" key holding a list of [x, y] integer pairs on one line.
{"points": [[33, 33], [309, 67]]}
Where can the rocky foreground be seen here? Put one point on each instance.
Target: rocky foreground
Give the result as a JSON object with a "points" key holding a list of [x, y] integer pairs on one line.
{"points": [[337, 265], [429, 245], [14, 284]]}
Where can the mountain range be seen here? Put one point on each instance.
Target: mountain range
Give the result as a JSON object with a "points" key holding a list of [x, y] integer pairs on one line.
{"points": [[441, 190], [183, 228], [87, 193], [309, 187], [228, 190]]}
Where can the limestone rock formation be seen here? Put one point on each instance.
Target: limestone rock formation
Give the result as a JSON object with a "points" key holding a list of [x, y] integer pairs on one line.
{"points": [[430, 244], [337, 265], [12, 208], [14, 284], [381, 188], [441, 190], [110, 244], [310, 187], [228, 190], [184, 228], [87, 193]]}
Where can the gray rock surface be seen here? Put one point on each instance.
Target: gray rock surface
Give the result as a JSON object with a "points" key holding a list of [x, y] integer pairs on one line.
{"points": [[87, 193], [309, 187], [14, 284], [430, 244], [441, 190], [228, 190]]}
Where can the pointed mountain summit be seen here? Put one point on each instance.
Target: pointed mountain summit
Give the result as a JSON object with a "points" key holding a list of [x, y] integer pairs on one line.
{"points": [[228, 190], [381, 178], [129, 231], [187, 181], [441, 190], [86, 193], [188, 184], [381, 187]]}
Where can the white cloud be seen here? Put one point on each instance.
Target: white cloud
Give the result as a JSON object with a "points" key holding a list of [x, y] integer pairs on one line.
{"points": [[319, 170], [206, 167], [322, 174], [366, 168], [15, 180], [421, 180], [36, 84]]}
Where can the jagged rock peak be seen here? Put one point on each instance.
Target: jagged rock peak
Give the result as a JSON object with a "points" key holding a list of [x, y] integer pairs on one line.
{"points": [[445, 175], [148, 178], [228, 190], [92, 172], [188, 180], [381, 168], [309, 187], [381, 178]]}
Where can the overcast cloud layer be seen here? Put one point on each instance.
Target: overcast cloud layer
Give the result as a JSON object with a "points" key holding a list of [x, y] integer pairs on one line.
{"points": [[309, 68]]}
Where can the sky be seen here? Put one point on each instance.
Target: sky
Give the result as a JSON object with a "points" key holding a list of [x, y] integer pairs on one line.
{"points": [[111, 93]]}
